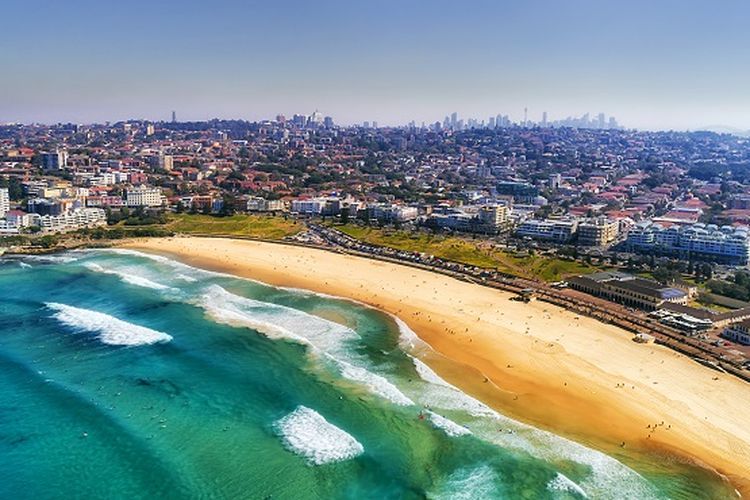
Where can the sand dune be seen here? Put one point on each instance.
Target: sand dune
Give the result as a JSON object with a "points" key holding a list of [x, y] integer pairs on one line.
{"points": [[535, 362]]}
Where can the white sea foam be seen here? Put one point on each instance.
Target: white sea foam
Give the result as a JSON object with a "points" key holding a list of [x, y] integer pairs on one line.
{"points": [[128, 276], [470, 484], [189, 273], [320, 335], [110, 330], [375, 383], [562, 483], [275, 320], [308, 434], [448, 426], [607, 474], [54, 259], [24, 265]]}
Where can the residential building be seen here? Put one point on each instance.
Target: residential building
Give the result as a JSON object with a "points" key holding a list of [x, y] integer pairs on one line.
{"points": [[258, 204], [56, 160], [142, 196], [559, 231], [598, 232], [700, 241], [739, 333], [4, 202]]}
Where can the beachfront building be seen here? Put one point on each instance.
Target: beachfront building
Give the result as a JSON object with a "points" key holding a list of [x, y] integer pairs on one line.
{"points": [[70, 221], [258, 204], [312, 206], [4, 202], [142, 196], [598, 232], [701, 241], [489, 219], [559, 231], [628, 290], [390, 212], [739, 333]]}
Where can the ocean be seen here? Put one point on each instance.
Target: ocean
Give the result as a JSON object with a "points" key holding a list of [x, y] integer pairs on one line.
{"points": [[128, 375]]}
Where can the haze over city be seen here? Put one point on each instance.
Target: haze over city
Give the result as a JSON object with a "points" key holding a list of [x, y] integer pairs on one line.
{"points": [[653, 65]]}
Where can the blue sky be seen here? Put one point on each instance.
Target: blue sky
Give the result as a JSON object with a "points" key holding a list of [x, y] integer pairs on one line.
{"points": [[652, 64]]}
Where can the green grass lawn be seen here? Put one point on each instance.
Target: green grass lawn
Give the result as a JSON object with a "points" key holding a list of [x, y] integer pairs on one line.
{"points": [[467, 251], [253, 226]]}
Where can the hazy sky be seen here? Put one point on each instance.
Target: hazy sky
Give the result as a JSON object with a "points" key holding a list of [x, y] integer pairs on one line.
{"points": [[652, 64]]}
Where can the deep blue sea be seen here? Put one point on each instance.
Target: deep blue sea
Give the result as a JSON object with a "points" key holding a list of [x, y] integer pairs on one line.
{"points": [[127, 375]]}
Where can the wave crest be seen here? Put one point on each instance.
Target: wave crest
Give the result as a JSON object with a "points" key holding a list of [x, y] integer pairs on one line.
{"points": [[109, 329], [308, 434]]}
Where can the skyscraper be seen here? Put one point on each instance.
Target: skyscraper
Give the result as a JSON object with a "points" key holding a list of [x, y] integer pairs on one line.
{"points": [[454, 119], [174, 117], [544, 119]]}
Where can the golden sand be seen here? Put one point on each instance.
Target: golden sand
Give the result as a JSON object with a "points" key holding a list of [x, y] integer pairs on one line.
{"points": [[535, 362]]}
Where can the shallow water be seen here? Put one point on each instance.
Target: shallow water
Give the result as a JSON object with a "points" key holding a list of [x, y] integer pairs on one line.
{"points": [[124, 375]]}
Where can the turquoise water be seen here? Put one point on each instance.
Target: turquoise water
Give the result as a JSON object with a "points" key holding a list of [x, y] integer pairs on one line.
{"points": [[124, 375]]}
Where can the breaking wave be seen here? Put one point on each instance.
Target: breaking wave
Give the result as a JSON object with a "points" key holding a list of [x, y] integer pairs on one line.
{"points": [[127, 277], [109, 329], [308, 434], [281, 322], [448, 426]]}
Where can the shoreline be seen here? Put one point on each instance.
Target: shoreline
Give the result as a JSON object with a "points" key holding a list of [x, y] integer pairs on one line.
{"points": [[536, 362]]}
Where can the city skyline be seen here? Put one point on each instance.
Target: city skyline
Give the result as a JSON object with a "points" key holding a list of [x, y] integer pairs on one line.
{"points": [[666, 66]]}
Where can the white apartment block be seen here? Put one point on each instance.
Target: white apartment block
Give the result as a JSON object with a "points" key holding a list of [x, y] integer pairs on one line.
{"points": [[75, 219], [257, 204], [311, 207], [598, 232], [725, 243], [4, 202], [143, 196], [560, 231]]}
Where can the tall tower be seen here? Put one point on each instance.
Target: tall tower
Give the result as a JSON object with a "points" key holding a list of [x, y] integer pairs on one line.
{"points": [[525, 117], [174, 117]]}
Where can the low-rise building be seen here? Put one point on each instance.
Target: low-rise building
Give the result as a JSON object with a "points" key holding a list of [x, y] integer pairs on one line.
{"points": [[70, 221], [559, 231], [258, 204], [628, 290], [739, 332]]}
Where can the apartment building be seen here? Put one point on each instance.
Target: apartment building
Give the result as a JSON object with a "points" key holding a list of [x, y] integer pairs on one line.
{"points": [[4, 202], [142, 196], [702, 241], [559, 231], [258, 204], [598, 232]]}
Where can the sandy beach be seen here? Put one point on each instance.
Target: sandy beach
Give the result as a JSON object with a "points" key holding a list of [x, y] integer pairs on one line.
{"points": [[535, 362]]}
